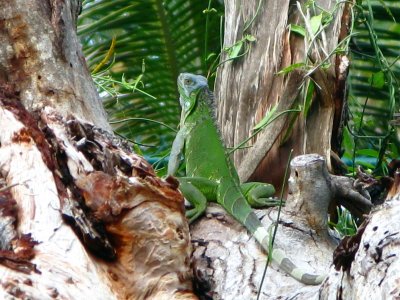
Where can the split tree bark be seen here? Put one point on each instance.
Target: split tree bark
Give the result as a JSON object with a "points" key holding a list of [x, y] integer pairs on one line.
{"points": [[246, 88], [81, 216], [55, 169]]}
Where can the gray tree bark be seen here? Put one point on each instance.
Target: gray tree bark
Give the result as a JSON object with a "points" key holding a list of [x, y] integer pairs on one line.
{"points": [[41, 59], [246, 88], [81, 216]]}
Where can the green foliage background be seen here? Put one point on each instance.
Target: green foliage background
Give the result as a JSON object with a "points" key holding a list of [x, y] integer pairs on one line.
{"points": [[370, 139], [156, 40]]}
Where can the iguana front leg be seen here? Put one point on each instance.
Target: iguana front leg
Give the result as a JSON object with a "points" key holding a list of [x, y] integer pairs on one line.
{"points": [[176, 151], [259, 194], [198, 191]]}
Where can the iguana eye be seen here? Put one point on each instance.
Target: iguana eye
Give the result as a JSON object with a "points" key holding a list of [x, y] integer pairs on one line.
{"points": [[187, 81]]}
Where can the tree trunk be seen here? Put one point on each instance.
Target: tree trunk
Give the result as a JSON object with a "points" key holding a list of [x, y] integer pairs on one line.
{"points": [[42, 61], [81, 216], [248, 87], [78, 210]]}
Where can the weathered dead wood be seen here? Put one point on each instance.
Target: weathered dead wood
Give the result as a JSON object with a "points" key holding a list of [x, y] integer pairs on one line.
{"points": [[41, 58], [369, 264], [127, 207], [59, 256], [312, 190], [233, 262]]}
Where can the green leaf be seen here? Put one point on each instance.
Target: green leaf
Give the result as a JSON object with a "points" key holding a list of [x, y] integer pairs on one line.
{"points": [[211, 55], [208, 11], [309, 3], [308, 97], [267, 118], [315, 23], [234, 50], [368, 152], [250, 38], [377, 80], [326, 65], [348, 143], [297, 29], [327, 18], [290, 68], [388, 11]]}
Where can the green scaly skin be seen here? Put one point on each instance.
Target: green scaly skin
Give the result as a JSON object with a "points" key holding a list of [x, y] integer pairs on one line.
{"points": [[212, 176]]}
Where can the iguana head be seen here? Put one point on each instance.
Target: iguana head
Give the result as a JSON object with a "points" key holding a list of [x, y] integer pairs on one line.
{"points": [[189, 86]]}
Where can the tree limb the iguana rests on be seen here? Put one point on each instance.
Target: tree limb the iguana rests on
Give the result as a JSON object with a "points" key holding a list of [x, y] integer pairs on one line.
{"points": [[211, 175]]}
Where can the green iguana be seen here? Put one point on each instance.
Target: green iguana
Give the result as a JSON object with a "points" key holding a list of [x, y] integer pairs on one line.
{"points": [[211, 176]]}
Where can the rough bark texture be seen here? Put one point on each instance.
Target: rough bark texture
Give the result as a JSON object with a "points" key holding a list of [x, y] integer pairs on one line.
{"points": [[373, 272], [312, 191], [59, 256], [111, 198], [247, 87], [233, 263], [41, 58], [81, 216]]}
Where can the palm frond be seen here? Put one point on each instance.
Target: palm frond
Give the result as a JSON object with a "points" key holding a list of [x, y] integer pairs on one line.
{"points": [[375, 79], [168, 37]]}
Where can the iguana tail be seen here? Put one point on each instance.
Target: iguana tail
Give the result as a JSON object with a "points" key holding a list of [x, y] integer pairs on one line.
{"points": [[253, 224], [237, 206]]}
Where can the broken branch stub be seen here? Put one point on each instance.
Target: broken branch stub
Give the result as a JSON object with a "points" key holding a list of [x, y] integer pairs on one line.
{"points": [[312, 190], [309, 190]]}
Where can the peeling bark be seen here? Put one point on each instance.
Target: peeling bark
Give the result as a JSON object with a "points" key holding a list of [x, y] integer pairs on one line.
{"points": [[42, 61], [373, 272], [129, 209], [81, 216], [248, 87], [58, 255]]}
